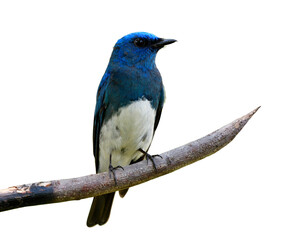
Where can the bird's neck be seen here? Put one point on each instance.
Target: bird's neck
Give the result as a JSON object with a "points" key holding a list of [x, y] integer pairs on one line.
{"points": [[143, 67], [146, 64]]}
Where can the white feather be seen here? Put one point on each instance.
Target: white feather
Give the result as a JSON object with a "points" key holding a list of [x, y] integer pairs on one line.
{"points": [[130, 129]]}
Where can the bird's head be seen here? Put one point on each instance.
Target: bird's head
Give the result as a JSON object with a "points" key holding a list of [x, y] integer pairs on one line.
{"points": [[138, 49]]}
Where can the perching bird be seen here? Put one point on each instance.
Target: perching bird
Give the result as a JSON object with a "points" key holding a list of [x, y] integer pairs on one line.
{"points": [[130, 98]]}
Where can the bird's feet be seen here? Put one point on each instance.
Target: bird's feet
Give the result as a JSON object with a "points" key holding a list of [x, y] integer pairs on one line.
{"points": [[113, 169], [150, 157]]}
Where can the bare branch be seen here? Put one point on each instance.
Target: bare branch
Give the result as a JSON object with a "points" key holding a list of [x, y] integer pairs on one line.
{"points": [[102, 183]]}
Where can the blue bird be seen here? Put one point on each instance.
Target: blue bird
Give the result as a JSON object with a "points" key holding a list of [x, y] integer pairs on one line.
{"points": [[129, 103]]}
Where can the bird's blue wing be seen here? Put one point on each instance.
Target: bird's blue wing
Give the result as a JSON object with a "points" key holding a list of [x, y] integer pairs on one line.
{"points": [[99, 116], [159, 109]]}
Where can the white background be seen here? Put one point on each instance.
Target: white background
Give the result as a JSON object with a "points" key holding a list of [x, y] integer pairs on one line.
{"points": [[231, 57]]}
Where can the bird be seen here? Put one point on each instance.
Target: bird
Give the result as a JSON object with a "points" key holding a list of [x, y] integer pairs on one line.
{"points": [[129, 103]]}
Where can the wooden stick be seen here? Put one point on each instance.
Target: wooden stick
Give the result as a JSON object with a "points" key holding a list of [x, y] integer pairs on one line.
{"points": [[102, 183]]}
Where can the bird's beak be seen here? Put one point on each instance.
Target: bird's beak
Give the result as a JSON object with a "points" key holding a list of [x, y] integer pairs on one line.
{"points": [[162, 42]]}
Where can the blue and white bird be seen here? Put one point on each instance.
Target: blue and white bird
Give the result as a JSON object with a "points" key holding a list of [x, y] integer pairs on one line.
{"points": [[129, 103]]}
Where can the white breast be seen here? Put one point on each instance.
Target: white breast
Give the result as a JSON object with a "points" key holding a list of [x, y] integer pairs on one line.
{"points": [[124, 133]]}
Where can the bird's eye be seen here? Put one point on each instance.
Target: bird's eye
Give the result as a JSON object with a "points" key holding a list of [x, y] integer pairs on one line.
{"points": [[140, 42]]}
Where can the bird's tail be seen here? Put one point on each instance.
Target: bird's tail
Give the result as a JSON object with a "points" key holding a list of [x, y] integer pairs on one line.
{"points": [[100, 209]]}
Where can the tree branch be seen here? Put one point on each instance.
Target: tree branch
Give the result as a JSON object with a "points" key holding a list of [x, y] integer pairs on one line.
{"points": [[102, 183]]}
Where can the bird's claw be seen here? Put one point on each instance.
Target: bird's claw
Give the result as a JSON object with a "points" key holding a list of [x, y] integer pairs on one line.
{"points": [[150, 157], [113, 169]]}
